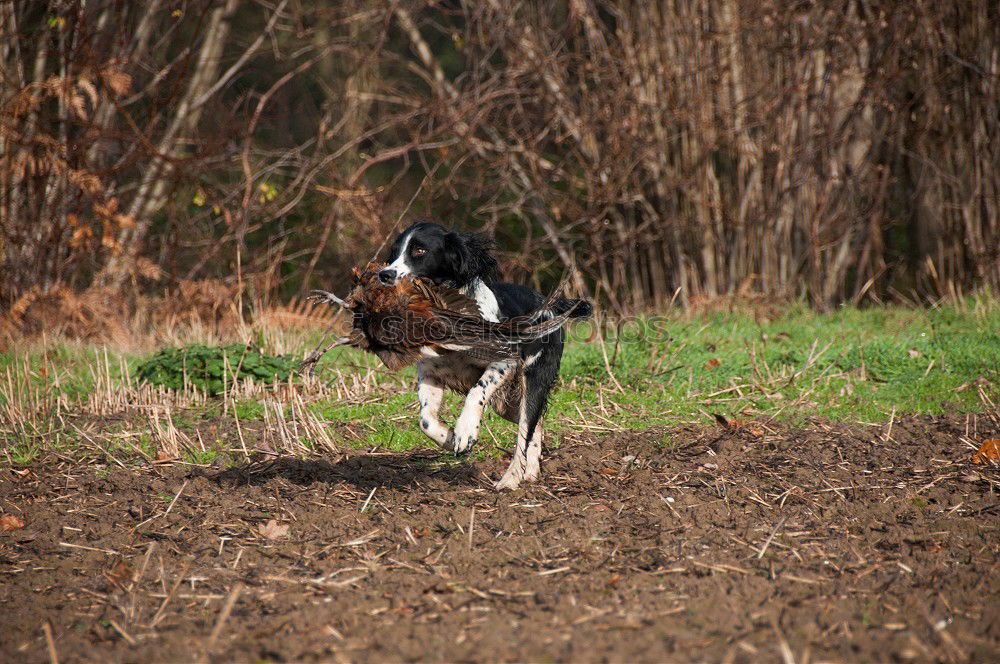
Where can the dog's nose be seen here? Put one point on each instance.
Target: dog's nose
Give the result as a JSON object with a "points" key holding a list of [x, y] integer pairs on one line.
{"points": [[387, 276]]}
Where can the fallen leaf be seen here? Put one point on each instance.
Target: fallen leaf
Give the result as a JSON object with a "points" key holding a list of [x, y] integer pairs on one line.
{"points": [[914, 353], [988, 451], [119, 574], [753, 426], [9, 522], [613, 580], [273, 530], [713, 363], [609, 471], [24, 474]]}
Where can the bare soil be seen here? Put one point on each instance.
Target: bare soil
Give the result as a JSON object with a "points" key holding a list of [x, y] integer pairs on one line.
{"points": [[822, 543]]}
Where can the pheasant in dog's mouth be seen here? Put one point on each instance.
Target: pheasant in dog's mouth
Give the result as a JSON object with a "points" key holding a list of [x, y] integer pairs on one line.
{"points": [[413, 317]]}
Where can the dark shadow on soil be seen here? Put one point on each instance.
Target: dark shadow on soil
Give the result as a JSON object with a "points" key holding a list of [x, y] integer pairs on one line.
{"points": [[362, 471]]}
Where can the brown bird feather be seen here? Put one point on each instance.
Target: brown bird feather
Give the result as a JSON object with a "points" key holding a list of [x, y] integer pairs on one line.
{"points": [[397, 322]]}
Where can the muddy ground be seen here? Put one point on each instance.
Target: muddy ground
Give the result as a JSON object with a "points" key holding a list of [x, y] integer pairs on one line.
{"points": [[826, 543]]}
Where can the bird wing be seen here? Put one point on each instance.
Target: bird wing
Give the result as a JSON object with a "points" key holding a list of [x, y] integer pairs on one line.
{"points": [[443, 298], [399, 320]]}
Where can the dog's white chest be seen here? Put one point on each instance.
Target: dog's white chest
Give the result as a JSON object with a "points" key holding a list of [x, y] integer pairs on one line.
{"points": [[485, 299]]}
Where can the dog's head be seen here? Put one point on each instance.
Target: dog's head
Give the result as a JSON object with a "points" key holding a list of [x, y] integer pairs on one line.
{"points": [[445, 257]]}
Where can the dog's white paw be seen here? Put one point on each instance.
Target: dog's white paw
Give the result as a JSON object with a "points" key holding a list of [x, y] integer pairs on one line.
{"points": [[465, 438], [508, 481], [512, 478]]}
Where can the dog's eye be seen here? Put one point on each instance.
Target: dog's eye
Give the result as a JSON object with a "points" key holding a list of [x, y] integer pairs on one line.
{"points": [[419, 251]]}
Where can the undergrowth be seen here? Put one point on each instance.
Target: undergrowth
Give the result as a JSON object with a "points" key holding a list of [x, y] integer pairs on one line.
{"points": [[853, 365], [213, 368]]}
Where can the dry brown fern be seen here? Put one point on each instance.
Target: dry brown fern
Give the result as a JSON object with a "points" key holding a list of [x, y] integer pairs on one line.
{"points": [[95, 314], [210, 304], [297, 314]]}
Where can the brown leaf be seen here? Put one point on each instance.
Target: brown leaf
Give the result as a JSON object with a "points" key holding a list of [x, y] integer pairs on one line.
{"points": [[914, 353], [988, 451], [753, 426], [9, 522], [79, 107], [609, 471], [23, 474], [119, 574], [118, 81], [613, 580], [713, 363], [273, 530]]}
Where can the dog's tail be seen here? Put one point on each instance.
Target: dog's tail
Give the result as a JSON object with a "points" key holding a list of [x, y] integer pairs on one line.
{"points": [[575, 308]]}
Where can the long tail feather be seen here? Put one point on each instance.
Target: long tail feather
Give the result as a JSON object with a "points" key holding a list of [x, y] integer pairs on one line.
{"points": [[329, 298], [314, 357]]}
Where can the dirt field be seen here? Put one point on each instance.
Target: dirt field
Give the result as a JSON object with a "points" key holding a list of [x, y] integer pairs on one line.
{"points": [[828, 543]]}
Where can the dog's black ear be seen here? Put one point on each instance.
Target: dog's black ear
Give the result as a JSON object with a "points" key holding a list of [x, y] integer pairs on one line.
{"points": [[470, 257], [457, 257]]}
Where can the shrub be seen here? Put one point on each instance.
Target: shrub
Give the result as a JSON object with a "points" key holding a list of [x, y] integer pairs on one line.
{"points": [[211, 368]]}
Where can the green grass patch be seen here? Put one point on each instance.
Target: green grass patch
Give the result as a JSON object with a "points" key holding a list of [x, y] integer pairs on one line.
{"points": [[856, 365]]}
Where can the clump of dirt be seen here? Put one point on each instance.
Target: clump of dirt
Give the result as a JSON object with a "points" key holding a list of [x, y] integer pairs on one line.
{"points": [[684, 544]]}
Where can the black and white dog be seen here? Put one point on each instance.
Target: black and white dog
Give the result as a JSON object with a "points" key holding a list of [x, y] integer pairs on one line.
{"points": [[517, 388]]}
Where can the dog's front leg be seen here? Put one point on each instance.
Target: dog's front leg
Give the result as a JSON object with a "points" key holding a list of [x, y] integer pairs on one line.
{"points": [[467, 425], [430, 394]]}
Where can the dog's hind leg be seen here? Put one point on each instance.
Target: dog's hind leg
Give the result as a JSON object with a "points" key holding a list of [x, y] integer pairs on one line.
{"points": [[431, 394], [515, 471], [533, 468], [467, 425], [526, 464]]}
